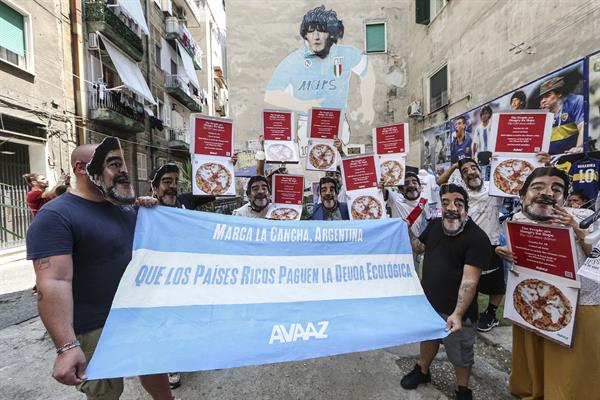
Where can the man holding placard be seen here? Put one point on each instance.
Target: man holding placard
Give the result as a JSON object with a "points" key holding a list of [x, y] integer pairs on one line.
{"points": [[540, 366], [456, 250]]}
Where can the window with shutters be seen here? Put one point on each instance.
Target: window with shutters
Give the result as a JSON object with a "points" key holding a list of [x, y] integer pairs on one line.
{"points": [[427, 10], [142, 166], [16, 41], [375, 37], [438, 89]]}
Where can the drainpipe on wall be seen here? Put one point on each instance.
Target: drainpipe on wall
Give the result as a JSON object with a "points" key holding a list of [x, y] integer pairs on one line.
{"points": [[149, 65], [75, 14]]}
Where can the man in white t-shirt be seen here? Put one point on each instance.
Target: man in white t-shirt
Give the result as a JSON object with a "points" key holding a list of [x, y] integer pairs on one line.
{"points": [[409, 204], [484, 210], [259, 193]]}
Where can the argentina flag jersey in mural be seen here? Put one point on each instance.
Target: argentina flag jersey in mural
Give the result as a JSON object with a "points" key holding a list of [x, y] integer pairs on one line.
{"points": [[309, 77]]}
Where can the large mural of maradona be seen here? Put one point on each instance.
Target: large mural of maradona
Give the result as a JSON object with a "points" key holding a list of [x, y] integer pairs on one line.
{"points": [[318, 74]]}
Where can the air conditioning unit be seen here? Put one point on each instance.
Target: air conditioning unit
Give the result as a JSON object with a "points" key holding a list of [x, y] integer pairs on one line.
{"points": [[93, 41], [414, 109]]}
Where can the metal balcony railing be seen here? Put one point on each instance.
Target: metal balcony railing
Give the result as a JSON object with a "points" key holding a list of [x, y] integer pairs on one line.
{"points": [[99, 15], [179, 134], [117, 102], [177, 88]]}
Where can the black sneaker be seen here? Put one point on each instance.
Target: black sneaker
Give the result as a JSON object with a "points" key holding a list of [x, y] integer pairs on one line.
{"points": [[414, 378], [174, 380], [464, 395], [487, 321]]}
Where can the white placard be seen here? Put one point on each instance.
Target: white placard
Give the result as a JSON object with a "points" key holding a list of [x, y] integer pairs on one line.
{"points": [[321, 155], [212, 176]]}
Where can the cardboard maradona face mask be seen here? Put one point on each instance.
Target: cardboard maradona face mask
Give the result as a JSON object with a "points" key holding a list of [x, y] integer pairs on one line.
{"points": [[108, 171]]}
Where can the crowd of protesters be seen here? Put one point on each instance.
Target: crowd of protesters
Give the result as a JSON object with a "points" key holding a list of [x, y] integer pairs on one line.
{"points": [[78, 264]]}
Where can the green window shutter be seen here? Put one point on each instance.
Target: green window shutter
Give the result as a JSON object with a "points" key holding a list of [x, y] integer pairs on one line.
{"points": [[422, 12], [12, 30], [375, 38]]}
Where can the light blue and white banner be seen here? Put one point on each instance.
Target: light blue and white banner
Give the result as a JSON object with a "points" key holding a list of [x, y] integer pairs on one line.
{"points": [[206, 291]]}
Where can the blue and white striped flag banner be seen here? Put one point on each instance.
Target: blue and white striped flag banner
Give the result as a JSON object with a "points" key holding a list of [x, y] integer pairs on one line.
{"points": [[206, 291]]}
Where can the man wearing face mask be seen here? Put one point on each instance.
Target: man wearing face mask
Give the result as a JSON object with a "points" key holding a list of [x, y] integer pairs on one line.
{"points": [[164, 185], [456, 250], [258, 192], [484, 210], [409, 204], [80, 244], [330, 209], [541, 368]]}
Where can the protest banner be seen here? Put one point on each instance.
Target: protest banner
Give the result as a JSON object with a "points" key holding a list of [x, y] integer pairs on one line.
{"points": [[211, 150], [206, 291], [324, 125], [278, 129], [288, 196], [516, 138], [542, 288], [361, 178], [391, 145]]}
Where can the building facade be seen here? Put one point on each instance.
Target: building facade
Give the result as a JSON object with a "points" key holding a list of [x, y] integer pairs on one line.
{"points": [[437, 60], [37, 113], [147, 67]]}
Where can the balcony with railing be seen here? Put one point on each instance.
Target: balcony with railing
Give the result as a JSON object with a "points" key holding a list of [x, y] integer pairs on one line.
{"points": [[176, 87], [176, 30], [101, 18], [116, 110], [179, 138]]}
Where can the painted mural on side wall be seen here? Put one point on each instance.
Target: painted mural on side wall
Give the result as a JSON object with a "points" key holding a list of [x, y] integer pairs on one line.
{"points": [[318, 73], [563, 92]]}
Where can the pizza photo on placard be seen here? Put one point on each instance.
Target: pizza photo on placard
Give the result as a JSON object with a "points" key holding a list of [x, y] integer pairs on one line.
{"points": [[509, 175], [391, 172], [280, 153], [322, 156], [284, 214], [366, 207], [542, 305], [213, 178]]}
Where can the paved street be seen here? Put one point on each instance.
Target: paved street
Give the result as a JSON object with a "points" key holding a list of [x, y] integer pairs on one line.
{"points": [[27, 354]]}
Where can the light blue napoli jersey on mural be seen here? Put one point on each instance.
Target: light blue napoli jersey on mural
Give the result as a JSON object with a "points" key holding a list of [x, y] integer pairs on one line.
{"points": [[309, 77]]}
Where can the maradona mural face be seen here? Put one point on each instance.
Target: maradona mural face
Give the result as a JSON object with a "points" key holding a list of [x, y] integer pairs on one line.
{"points": [[318, 74]]}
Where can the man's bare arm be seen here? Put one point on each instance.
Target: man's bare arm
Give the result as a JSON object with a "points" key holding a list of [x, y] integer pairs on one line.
{"points": [[466, 294], [444, 177], [54, 276], [417, 246]]}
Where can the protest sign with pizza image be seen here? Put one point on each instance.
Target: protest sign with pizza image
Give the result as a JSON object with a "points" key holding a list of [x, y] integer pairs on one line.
{"points": [[516, 138], [278, 129], [542, 287], [212, 149], [361, 177]]}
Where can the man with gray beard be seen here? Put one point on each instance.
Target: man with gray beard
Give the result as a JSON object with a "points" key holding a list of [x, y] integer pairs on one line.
{"points": [[80, 245], [164, 182], [258, 192], [456, 250], [540, 367], [330, 208]]}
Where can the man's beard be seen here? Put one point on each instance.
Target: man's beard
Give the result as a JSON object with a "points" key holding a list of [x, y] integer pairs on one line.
{"points": [[329, 199], [530, 211], [325, 52], [166, 195], [262, 201], [470, 179], [117, 195], [454, 216]]}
